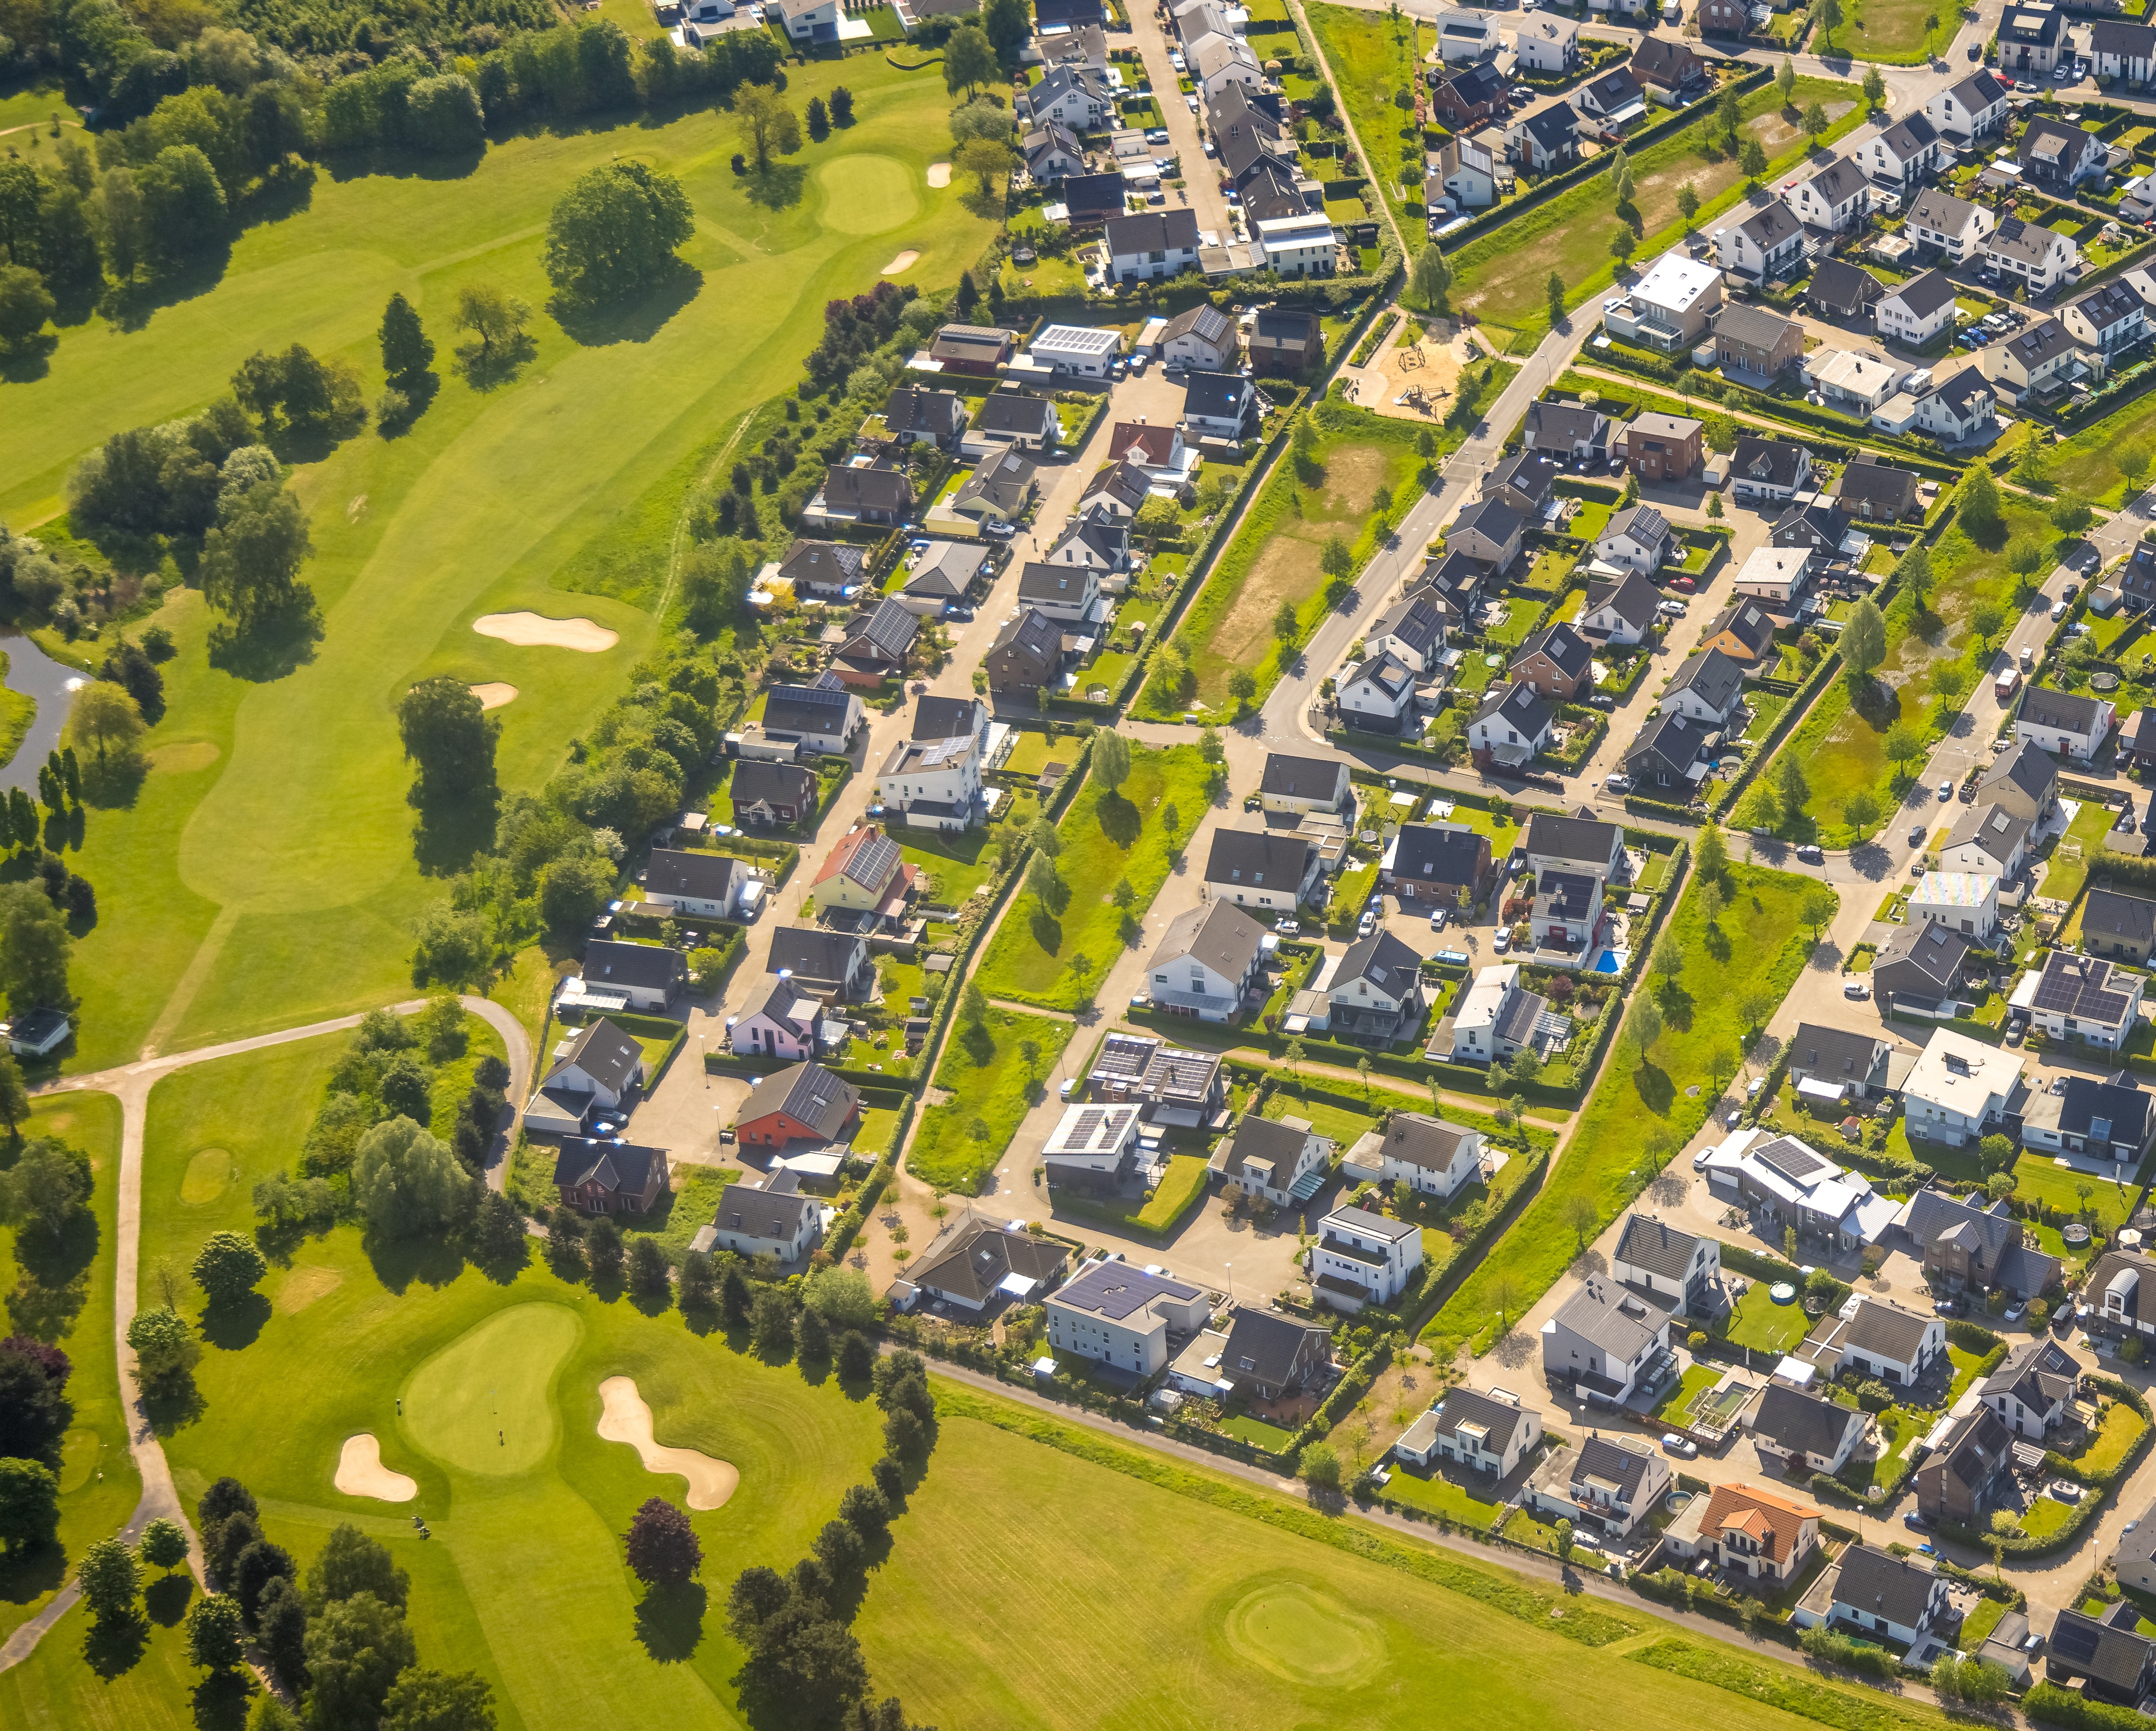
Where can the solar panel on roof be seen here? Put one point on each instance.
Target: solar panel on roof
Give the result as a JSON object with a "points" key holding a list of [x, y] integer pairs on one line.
{"points": [[1793, 1162]]}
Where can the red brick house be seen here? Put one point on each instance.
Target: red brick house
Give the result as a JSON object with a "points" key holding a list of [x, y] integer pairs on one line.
{"points": [[609, 1177], [1558, 663], [805, 1103]]}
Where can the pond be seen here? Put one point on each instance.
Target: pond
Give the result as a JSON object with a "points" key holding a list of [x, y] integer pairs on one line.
{"points": [[36, 674]]}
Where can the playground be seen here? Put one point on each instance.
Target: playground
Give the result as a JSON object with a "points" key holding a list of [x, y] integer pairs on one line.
{"points": [[1415, 381]]}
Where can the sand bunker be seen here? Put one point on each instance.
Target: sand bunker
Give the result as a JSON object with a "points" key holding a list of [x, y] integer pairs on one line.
{"points": [[360, 1472], [528, 630], [628, 1419], [939, 174], [905, 261], [494, 694]]}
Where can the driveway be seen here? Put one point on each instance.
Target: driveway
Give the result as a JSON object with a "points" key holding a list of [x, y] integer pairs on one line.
{"points": [[1150, 34]]}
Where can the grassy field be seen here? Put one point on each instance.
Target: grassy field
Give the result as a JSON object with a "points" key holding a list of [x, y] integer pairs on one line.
{"points": [[264, 873], [1895, 32], [1055, 956], [1373, 57], [1501, 276], [1841, 745], [99, 1484], [1251, 1611], [1638, 1117], [1176, 1194], [1760, 1323], [989, 1088], [2084, 463]]}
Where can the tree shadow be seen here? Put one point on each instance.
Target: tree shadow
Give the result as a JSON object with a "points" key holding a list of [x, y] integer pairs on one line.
{"points": [[28, 361], [232, 1327], [669, 1621], [1119, 819], [114, 1649], [651, 1304], [129, 306], [273, 646], [172, 1405], [1657, 1092], [450, 835], [32, 1571], [419, 393], [1876, 702], [980, 1045], [165, 1599], [220, 1701], [1716, 942], [109, 783], [636, 320], [1676, 1004], [398, 1262], [483, 368], [776, 186], [286, 192]]}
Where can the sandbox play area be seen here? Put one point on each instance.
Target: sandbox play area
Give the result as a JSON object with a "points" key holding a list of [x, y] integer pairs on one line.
{"points": [[533, 630], [627, 1418]]}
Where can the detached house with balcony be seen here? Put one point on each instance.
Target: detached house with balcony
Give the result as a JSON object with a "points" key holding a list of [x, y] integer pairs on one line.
{"points": [[2082, 998], [1950, 225], [1378, 693], [1904, 156], [1281, 1161], [2058, 159], [1769, 471], [1877, 1594], [1418, 1153], [1746, 1530], [1962, 407], [1766, 245], [1512, 728], [1916, 310], [1681, 1269], [1835, 198], [2106, 319], [2033, 1391], [1807, 1433], [1208, 964], [1271, 873], [1412, 631], [2042, 258], [1605, 1484], [1489, 1434], [1606, 1340], [1547, 43], [1973, 109], [1375, 994], [1669, 309], [1960, 1088], [1362, 1258], [2038, 363]]}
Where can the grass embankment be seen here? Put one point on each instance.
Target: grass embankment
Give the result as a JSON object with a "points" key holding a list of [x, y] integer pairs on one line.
{"points": [[1638, 1116], [1841, 745], [1056, 953], [1782, 1687], [271, 843], [18, 713], [991, 1085], [61, 1293], [1502, 277]]}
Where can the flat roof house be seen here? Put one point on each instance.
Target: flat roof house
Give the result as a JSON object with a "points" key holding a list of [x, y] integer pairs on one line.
{"points": [[1959, 1088], [1089, 1148], [1362, 1258], [1120, 1315], [1967, 900]]}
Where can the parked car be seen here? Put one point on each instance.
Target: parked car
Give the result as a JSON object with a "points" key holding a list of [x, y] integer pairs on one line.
{"points": [[1699, 1159], [2058, 610], [1916, 1521], [1855, 989], [1618, 783], [1367, 924], [2070, 590], [1946, 790], [1070, 1087], [1504, 940], [2028, 659], [1683, 1447], [958, 610], [1287, 927], [1811, 854], [1437, 919], [2014, 1312]]}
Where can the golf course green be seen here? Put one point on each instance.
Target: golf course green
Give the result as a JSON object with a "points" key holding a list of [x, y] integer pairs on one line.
{"points": [[483, 1403]]}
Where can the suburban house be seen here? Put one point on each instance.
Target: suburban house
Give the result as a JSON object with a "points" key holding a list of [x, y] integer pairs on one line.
{"points": [[933, 780], [2113, 1304], [1745, 1530], [1839, 1063], [1967, 900], [980, 1264], [2108, 318], [834, 966], [1583, 844], [1671, 307], [1966, 1468], [1093, 200], [1605, 1484], [2057, 158], [877, 644], [1375, 993], [1411, 631], [1026, 423], [1464, 171], [818, 718], [830, 570], [1471, 94], [711, 887], [1089, 1148], [2032, 38], [1974, 109], [1663, 447], [1950, 225], [648, 976], [2038, 362], [1488, 1433], [1905, 154], [1362, 1258], [1921, 967], [1281, 1161], [1302, 785], [1606, 1340], [1378, 693], [1116, 1314], [1495, 1016], [609, 1176], [2107, 1656], [1665, 68], [1567, 431], [1202, 336], [2042, 257], [1683, 1268], [2122, 50], [1069, 594], [1959, 1088], [1877, 1592], [2063, 722], [1271, 1356], [1792, 1182], [1556, 662], [804, 1103], [864, 490], [911, 416], [1447, 865], [1768, 468], [1489, 530], [1548, 43], [1158, 452], [1877, 1339], [1511, 728], [2034, 1389], [815, 21], [1732, 18], [1548, 138], [976, 351], [1463, 36], [1423, 1153], [945, 573], [1967, 1247], [2024, 781], [1285, 340], [1615, 98], [1169, 1083], [1221, 405], [1960, 409], [1839, 289], [1708, 689], [1253, 868], [1027, 656], [1776, 575], [596, 1069], [1527, 482], [2088, 999], [1078, 97], [1813, 524], [2134, 1560], [1916, 310], [1766, 244], [1152, 246], [785, 1026], [1877, 493], [1992, 839], [1051, 152], [1619, 612], [773, 1220], [1835, 197], [865, 873], [997, 495], [1669, 754], [1808, 1433], [2120, 926], [1744, 632], [1637, 539], [1208, 963]]}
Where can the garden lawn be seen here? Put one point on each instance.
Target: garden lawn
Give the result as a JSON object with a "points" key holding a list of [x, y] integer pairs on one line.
{"points": [[990, 1086], [2037, 1177], [1637, 1117], [1895, 32], [1764, 1326], [1160, 1212], [2120, 1429], [1250, 1610], [1501, 277], [2071, 852], [879, 1127], [1695, 1381], [77, 1317], [960, 865], [263, 876], [1842, 744], [1055, 956], [1467, 1505], [1977, 1626]]}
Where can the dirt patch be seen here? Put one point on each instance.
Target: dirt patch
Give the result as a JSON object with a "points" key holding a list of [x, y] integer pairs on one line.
{"points": [[1287, 569], [532, 631], [905, 261], [183, 755], [1353, 473], [627, 1418], [1426, 373], [305, 1285], [360, 1472], [939, 174], [494, 694]]}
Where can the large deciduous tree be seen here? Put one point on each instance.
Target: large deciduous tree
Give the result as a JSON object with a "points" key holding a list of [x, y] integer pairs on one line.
{"points": [[663, 1547], [767, 126], [406, 1182], [34, 950], [452, 740], [612, 234], [251, 557], [228, 1267]]}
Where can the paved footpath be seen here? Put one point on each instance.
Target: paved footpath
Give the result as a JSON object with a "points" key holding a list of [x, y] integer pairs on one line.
{"points": [[131, 1084]]}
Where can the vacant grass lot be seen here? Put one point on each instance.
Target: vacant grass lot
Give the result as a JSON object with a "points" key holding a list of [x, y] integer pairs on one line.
{"points": [[1764, 1326], [263, 874], [1373, 57], [69, 1303], [990, 1085], [1501, 276], [1638, 1116], [2086, 462], [1055, 956], [2072, 852], [1895, 32]]}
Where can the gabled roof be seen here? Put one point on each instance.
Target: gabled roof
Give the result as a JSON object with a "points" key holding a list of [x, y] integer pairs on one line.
{"points": [[760, 781], [699, 877], [1837, 180], [1566, 423], [866, 856], [1613, 89], [1382, 960], [1306, 778], [1552, 836], [1885, 1331], [1942, 212], [1007, 411], [1037, 583], [1659, 60], [979, 342], [2114, 36], [1879, 485], [1645, 524], [947, 569], [1999, 831], [2113, 914], [977, 1261], [888, 632], [1567, 652], [1614, 1316], [2115, 1657], [1839, 1054], [911, 409], [1710, 676], [648, 966], [1672, 737], [1924, 295], [2029, 242], [1656, 1247], [1498, 1419], [1122, 482], [2082, 987], [1772, 226], [1529, 474], [1622, 1463], [1032, 636], [2039, 1373], [1268, 1148], [756, 1211], [2109, 304], [1418, 619], [1960, 392], [831, 563], [1979, 92], [2041, 343], [1216, 396], [808, 1093], [820, 708], [1752, 326], [1554, 127], [1795, 1421], [2024, 777], [1776, 461], [1910, 136], [1415, 1138], [1477, 85], [1837, 282], [617, 1168], [1256, 857], [602, 1052], [1935, 951], [1748, 622], [1153, 231], [1428, 854], [1002, 480], [814, 954], [1272, 1348], [1633, 600], [1774, 1523], [2068, 710], [1523, 708], [1220, 934], [2054, 145], [1205, 322], [945, 717], [1884, 1585], [1151, 442]]}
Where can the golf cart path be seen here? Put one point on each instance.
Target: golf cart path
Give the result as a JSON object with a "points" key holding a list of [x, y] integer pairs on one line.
{"points": [[131, 1084]]}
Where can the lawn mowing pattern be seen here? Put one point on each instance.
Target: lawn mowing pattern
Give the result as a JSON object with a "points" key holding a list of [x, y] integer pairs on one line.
{"points": [[1759, 1322], [1034, 956], [1782, 1687], [1891, 32], [1608, 1160], [1502, 277], [282, 838], [1841, 745], [990, 1088], [97, 1439]]}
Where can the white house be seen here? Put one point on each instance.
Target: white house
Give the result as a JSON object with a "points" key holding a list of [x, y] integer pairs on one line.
{"points": [[1877, 1339], [1116, 1313], [1852, 380], [1916, 310], [1777, 575], [2123, 50], [1964, 900], [1547, 43], [1708, 688], [782, 1026], [1281, 1161], [2062, 722], [2108, 318], [1835, 197], [1744, 1530], [1807, 1433], [1302, 245], [1464, 170], [1201, 336], [1511, 727], [1424, 1153], [597, 1067], [1987, 838], [809, 20], [1770, 470], [2033, 1390], [1150, 247], [933, 780], [773, 1219], [1954, 226], [1959, 1088], [1961, 408], [1377, 692], [1585, 845], [1362, 1258], [1078, 97], [2042, 257], [1218, 62], [1619, 612], [1256, 869], [711, 887], [1089, 1148], [1495, 1016], [1606, 1485], [1765, 244], [2083, 998], [1605, 1339], [1878, 1593], [1905, 153], [1466, 36], [1974, 109], [1207, 963], [1638, 539], [1684, 1268], [1490, 1433], [1302, 785]]}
